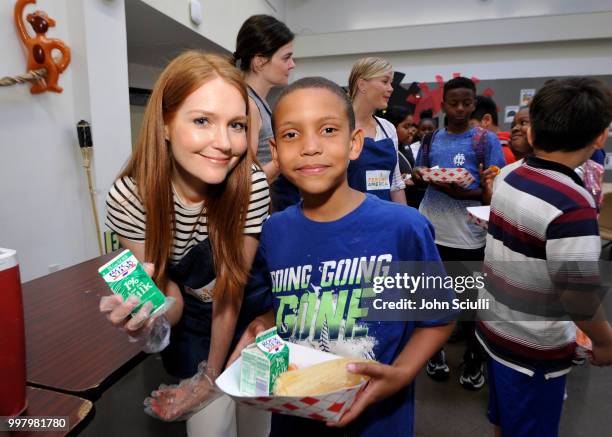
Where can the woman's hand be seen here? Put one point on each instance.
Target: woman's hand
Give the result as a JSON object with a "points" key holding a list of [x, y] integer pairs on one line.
{"points": [[152, 332], [117, 311], [417, 175], [407, 178], [180, 401]]}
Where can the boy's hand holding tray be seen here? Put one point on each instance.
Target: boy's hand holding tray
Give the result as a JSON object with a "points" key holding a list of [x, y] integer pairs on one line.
{"points": [[315, 402]]}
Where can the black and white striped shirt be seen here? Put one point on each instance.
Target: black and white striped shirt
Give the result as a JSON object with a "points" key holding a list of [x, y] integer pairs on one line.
{"points": [[125, 214]]}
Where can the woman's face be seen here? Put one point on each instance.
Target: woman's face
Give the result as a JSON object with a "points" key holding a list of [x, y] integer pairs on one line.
{"points": [[377, 90], [518, 133], [405, 130], [276, 70], [208, 134]]}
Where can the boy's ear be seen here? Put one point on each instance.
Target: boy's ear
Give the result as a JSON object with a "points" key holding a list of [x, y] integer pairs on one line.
{"points": [[487, 121], [356, 144], [600, 141], [530, 136], [273, 151]]}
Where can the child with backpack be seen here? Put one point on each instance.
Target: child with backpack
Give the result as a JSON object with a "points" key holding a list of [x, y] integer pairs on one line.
{"points": [[458, 145]]}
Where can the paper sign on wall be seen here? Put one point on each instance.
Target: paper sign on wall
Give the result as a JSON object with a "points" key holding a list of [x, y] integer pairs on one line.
{"points": [[509, 113], [526, 96]]}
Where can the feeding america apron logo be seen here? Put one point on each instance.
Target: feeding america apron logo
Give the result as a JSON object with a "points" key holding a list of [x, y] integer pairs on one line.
{"points": [[377, 180]]}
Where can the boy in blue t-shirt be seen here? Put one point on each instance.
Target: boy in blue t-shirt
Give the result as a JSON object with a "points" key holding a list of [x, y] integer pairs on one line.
{"points": [[458, 145], [310, 254]]}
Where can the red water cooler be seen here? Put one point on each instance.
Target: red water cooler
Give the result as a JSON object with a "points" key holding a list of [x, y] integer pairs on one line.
{"points": [[12, 337]]}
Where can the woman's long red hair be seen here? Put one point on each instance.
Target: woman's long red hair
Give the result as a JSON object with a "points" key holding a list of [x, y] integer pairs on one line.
{"points": [[151, 166]]}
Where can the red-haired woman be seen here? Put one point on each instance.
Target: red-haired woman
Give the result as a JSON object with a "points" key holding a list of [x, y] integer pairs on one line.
{"points": [[191, 202]]}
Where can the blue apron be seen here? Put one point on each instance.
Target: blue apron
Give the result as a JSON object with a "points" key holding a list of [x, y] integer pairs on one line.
{"points": [[373, 171], [190, 337]]}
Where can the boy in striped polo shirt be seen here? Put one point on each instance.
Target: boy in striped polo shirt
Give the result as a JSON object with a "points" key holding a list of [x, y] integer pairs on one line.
{"points": [[543, 231]]}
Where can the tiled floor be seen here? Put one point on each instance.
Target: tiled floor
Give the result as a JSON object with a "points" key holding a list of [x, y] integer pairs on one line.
{"points": [[445, 409]]}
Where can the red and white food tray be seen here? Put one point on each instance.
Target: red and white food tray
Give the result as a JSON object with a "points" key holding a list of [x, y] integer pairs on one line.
{"points": [[459, 176], [479, 215], [325, 407]]}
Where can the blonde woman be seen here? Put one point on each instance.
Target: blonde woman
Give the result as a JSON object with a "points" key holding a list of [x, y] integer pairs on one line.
{"points": [[376, 171]]}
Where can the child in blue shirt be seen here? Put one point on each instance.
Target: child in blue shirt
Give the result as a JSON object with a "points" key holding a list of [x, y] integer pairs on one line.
{"points": [[310, 254], [458, 145]]}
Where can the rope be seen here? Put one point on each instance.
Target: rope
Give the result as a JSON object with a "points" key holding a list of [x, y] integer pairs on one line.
{"points": [[30, 76]]}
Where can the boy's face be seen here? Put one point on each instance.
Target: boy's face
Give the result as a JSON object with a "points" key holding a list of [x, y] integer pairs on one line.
{"points": [[403, 130], [458, 104], [313, 143], [426, 127], [518, 133]]}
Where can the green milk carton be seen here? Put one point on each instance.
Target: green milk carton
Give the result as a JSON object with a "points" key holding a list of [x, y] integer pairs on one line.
{"points": [[126, 277], [262, 362]]}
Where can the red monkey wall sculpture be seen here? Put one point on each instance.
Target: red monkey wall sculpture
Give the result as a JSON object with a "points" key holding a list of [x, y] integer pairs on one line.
{"points": [[39, 48]]}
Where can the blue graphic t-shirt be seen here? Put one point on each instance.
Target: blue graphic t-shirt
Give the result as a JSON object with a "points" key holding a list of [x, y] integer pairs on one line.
{"points": [[313, 272], [449, 215]]}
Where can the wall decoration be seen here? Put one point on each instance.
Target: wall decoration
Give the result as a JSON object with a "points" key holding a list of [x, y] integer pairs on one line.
{"points": [[509, 113], [526, 96], [43, 69], [432, 98]]}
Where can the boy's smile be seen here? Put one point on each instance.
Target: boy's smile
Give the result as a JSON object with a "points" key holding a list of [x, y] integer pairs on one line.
{"points": [[313, 142]]}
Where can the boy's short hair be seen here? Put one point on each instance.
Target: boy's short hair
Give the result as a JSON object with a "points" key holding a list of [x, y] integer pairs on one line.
{"points": [[318, 82], [569, 114], [485, 105], [459, 82]]}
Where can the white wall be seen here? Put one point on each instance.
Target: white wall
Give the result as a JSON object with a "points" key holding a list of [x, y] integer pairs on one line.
{"points": [[522, 39], [324, 16], [591, 57], [46, 213], [221, 19]]}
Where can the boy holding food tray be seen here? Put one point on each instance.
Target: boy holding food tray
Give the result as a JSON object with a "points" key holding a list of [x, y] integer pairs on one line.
{"points": [[311, 256], [444, 204]]}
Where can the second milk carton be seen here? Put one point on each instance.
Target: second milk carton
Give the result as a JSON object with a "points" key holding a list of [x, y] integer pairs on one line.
{"points": [[262, 362]]}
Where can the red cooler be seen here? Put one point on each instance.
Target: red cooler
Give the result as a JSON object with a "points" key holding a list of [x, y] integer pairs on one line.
{"points": [[12, 337]]}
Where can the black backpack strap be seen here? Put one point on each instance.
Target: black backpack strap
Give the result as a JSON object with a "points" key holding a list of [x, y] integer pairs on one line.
{"points": [[426, 146]]}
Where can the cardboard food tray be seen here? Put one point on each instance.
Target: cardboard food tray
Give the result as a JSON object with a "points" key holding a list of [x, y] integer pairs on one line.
{"points": [[460, 176], [479, 215], [329, 406]]}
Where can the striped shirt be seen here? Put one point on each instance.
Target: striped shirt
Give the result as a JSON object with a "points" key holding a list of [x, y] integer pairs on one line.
{"points": [[543, 239], [126, 216]]}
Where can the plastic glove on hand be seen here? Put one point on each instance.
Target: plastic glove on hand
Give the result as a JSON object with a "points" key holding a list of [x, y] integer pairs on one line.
{"points": [[180, 401]]}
